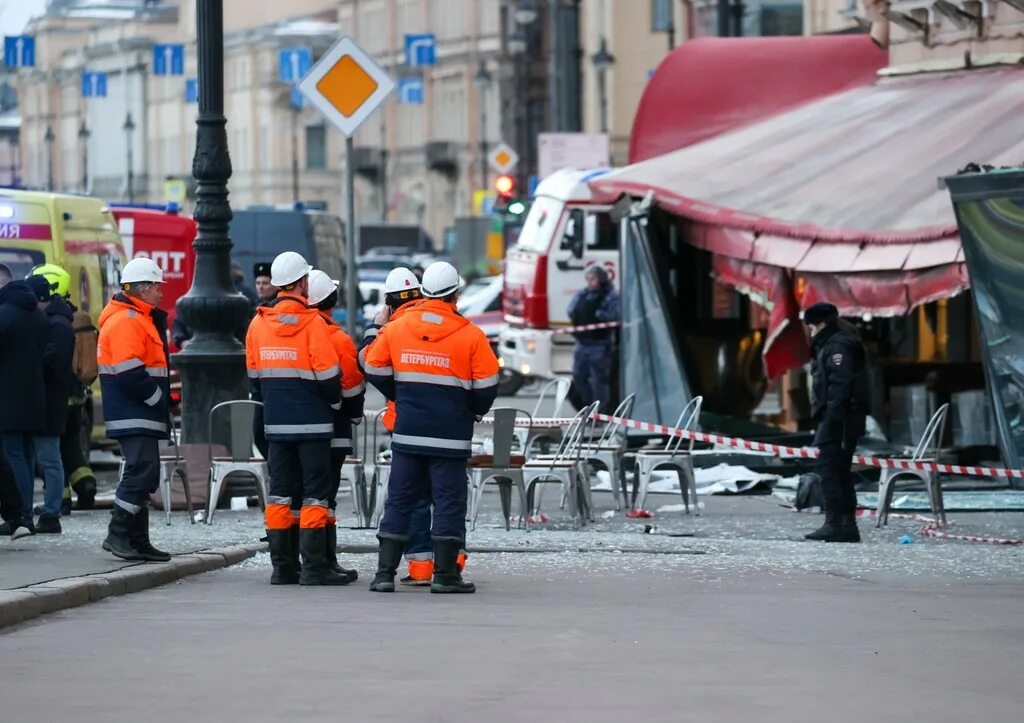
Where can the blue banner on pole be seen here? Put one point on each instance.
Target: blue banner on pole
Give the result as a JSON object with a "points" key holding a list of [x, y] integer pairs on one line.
{"points": [[19, 51], [94, 85], [293, 64], [420, 50], [192, 90], [169, 59]]}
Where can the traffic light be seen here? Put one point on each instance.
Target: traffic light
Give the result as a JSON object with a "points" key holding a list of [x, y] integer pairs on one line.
{"points": [[505, 187], [517, 208]]}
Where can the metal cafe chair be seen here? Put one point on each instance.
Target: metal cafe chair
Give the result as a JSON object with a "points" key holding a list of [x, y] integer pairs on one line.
{"points": [[378, 493], [170, 467], [672, 457], [240, 415], [924, 452], [565, 467], [558, 388], [354, 470], [610, 449], [500, 467]]}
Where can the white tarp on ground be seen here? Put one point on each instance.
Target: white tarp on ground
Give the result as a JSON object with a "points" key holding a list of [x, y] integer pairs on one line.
{"points": [[710, 480]]}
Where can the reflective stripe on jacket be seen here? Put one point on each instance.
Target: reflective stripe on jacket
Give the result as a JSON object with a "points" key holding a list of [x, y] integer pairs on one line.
{"points": [[353, 386], [440, 371], [132, 358], [293, 369]]}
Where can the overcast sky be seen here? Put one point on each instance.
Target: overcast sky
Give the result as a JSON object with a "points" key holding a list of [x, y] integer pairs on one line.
{"points": [[14, 14]]}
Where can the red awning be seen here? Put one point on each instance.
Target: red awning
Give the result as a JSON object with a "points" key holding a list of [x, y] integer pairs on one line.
{"points": [[840, 194], [709, 86]]}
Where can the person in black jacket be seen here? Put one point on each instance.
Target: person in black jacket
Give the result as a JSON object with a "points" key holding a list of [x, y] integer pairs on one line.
{"points": [[58, 376], [839, 404], [23, 333], [593, 356]]}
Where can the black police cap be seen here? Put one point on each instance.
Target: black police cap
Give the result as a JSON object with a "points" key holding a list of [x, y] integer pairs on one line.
{"points": [[262, 269], [821, 313]]}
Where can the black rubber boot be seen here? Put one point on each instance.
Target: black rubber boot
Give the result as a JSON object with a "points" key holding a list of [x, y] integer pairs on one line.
{"points": [[293, 549], [85, 488], [284, 573], [389, 557], [140, 538], [828, 531], [848, 530], [119, 530], [315, 569], [447, 578], [332, 554]]}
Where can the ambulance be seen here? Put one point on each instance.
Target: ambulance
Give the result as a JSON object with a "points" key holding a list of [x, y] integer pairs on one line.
{"points": [[78, 233], [564, 233]]}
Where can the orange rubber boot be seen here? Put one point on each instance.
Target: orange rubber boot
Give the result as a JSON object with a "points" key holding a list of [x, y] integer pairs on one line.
{"points": [[420, 573]]}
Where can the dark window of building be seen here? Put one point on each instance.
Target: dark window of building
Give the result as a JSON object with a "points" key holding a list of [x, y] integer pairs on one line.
{"points": [[316, 148], [782, 20]]}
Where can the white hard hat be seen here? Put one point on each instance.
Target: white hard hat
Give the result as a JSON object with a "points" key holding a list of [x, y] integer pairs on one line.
{"points": [[320, 286], [140, 270], [288, 268], [440, 279], [400, 279]]}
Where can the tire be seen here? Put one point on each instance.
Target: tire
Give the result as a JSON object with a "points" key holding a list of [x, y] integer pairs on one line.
{"points": [[509, 382]]}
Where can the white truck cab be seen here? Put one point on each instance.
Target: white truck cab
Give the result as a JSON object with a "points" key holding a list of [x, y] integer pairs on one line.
{"points": [[564, 233]]}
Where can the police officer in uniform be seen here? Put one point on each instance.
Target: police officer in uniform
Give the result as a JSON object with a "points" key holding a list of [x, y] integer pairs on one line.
{"points": [[840, 398], [441, 372], [593, 357]]}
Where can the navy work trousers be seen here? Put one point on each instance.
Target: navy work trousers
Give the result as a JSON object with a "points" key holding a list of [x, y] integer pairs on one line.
{"points": [[141, 476], [300, 469], [414, 477], [837, 486], [592, 373]]}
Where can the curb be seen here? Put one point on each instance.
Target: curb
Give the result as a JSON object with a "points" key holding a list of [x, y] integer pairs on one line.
{"points": [[21, 604]]}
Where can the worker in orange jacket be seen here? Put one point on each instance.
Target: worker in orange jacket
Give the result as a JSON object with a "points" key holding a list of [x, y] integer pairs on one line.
{"points": [[323, 296], [132, 359], [441, 372], [294, 370]]}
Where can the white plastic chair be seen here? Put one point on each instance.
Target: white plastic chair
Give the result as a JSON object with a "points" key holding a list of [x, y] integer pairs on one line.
{"points": [[241, 413], [565, 467], [671, 457], [922, 453], [500, 468]]}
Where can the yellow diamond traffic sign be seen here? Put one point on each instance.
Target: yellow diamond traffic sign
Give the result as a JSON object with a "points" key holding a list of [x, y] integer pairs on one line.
{"points": [[346, 85], [502, 158]]}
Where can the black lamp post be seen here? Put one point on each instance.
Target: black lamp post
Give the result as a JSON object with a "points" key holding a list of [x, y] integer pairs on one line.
{"points": [[482, 80], [49, 138], [602, 60], [83, 137], [212, 364], [129, 127]]}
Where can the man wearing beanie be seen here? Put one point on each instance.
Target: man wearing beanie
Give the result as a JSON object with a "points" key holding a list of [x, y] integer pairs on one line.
{"points": [[839, 404]]}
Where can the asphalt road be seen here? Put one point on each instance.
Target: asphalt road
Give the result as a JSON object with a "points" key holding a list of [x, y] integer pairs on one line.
{"points": [[611, 638]]}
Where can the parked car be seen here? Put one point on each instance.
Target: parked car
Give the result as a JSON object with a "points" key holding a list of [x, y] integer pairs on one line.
{"points": [[376, 268], [480, 302]]}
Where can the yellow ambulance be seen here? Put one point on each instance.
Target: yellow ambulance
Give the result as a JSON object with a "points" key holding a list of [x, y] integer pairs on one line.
{"points": [[78, 233]]}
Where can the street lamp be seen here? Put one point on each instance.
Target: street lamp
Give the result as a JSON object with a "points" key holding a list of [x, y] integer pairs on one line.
{"points": [[129, 127], [212, 365], [602, 60], [482, 80], [49, 138], [83, 137]]}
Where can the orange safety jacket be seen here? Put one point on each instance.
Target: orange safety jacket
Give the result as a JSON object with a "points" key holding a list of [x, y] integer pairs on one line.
{"points": [[441, 373], [293, 369], [132, 359], [369, 336], [353, 386]]}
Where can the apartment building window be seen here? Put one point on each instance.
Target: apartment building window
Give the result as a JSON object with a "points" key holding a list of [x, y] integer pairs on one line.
{"points": [[450, 109], [451, 18], [782, 20], [374, 26], [316, 147], [410, 126], [410, 16]]}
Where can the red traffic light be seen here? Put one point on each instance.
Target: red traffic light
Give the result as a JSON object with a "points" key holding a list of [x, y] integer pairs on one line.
{"points": [[505, 185]]}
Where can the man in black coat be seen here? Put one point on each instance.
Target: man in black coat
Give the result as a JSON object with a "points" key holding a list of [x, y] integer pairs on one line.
{"points": [[839, 404], [59, 377], [23, 334]]}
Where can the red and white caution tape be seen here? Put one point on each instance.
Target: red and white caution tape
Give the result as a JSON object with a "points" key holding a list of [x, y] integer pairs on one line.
{"points": [[583, 327], [934, 528]]}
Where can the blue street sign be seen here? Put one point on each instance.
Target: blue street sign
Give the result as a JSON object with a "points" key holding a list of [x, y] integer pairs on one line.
{"points": [[298, 99], [410, 90], [94, 85], [192, 90], [19, 51], [294, 63], [420, 50], [169, 60], [531, 186], [487, 205]]}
